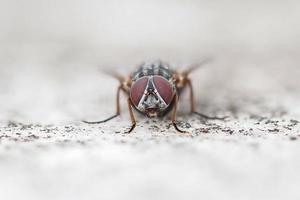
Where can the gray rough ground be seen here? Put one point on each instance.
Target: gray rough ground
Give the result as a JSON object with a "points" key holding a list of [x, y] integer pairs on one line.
{"points": [[50, 80]]}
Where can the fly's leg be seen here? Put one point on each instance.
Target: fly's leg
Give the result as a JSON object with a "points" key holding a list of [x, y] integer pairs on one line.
{"points": [[103, 121], [118, 112], [133, 121], [174, 115], [192, 103], [209, 117]]}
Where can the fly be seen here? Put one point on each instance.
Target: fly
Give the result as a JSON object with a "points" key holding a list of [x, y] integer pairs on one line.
{"points": [[154, 90]]}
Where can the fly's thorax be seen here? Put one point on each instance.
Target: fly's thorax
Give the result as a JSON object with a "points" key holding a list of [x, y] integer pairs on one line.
{"points": [[152, 95], [151, 69]]}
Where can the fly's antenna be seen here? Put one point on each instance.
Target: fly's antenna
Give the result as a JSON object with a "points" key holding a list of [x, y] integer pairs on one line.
{"points": [[195, 66]]}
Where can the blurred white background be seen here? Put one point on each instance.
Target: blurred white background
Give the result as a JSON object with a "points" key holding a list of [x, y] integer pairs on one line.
{"points": [[50, 51], [176, 26]]}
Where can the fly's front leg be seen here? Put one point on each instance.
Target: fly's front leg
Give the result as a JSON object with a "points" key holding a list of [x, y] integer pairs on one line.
{"points": [[118, 109], [192, 103], [133, 121], [174, 115]]}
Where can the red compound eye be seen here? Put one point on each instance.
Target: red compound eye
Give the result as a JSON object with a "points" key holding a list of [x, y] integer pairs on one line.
{"points": [[137, 90], [164, 88]]}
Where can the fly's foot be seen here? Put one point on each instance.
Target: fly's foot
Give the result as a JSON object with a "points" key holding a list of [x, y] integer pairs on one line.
{"points": [[209, 117], [102, 121], [131, 128], [178, 129]]}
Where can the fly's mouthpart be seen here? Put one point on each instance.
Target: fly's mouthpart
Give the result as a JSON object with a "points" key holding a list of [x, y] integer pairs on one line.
{"points": [[152, 112]]}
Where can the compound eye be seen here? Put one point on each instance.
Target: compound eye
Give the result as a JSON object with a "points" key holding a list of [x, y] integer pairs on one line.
{"points": [[137, 90], [164, 88]]}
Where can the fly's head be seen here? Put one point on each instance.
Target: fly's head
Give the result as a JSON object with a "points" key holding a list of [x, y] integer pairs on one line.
{"points": [[152, 95]]}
